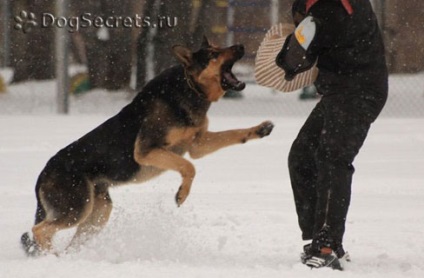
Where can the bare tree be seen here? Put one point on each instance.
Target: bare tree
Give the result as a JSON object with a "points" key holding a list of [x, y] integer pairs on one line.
{"points": [[404, 35], [108, 50], [176, 17]]}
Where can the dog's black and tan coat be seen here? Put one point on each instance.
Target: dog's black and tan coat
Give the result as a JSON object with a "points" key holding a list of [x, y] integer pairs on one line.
{"points": [[150, 135]]}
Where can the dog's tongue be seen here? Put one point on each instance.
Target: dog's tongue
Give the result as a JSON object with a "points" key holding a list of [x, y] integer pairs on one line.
{"points": [[233, 82]]}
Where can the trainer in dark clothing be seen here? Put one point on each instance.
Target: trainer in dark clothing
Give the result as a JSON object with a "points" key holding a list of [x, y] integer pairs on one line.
{"points": [[353, 82]]}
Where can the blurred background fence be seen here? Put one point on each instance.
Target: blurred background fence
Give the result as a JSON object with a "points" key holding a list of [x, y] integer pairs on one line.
{"points": [[119, 45]]}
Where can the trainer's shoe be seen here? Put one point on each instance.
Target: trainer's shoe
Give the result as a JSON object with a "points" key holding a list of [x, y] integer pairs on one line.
{"points": [[307, 253], [341, 254], [325, 258]]}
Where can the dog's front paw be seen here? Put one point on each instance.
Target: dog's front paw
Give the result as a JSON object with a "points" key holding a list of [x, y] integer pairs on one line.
{"points": [[264, 129], [181, 196]]}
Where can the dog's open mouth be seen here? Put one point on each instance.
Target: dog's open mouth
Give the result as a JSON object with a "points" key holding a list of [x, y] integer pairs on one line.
{"points": [[228, 80]]}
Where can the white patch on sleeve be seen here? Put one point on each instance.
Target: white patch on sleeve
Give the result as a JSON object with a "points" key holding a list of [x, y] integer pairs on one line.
{"points": [[305, 32]]}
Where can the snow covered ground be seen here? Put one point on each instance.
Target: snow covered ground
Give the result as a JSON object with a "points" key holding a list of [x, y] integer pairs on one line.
{"points": [[239, 220]]}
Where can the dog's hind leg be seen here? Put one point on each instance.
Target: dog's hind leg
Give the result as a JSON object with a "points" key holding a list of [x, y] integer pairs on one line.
{"points": [[167, 160], [44, 232], [67, 202], [102, 207]]}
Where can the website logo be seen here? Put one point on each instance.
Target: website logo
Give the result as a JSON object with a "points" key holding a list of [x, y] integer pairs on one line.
{"points": [[25, 21]]}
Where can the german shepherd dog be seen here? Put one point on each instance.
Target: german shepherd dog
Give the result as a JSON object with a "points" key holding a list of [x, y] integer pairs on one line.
{"points": [[147, 137]]}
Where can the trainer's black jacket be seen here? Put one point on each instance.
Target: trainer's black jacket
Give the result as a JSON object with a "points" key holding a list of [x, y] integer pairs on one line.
{"points": [[349, 48]]}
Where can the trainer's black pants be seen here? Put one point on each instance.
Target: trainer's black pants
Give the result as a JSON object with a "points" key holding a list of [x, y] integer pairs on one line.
{"points": [[320, 162]]}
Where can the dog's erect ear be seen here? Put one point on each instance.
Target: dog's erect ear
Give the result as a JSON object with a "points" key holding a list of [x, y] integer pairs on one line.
{"points": [[205, 42], [183, 55]]}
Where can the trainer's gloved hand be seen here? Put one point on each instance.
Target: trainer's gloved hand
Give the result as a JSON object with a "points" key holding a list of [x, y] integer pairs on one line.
{"points": [[295, 57]]}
